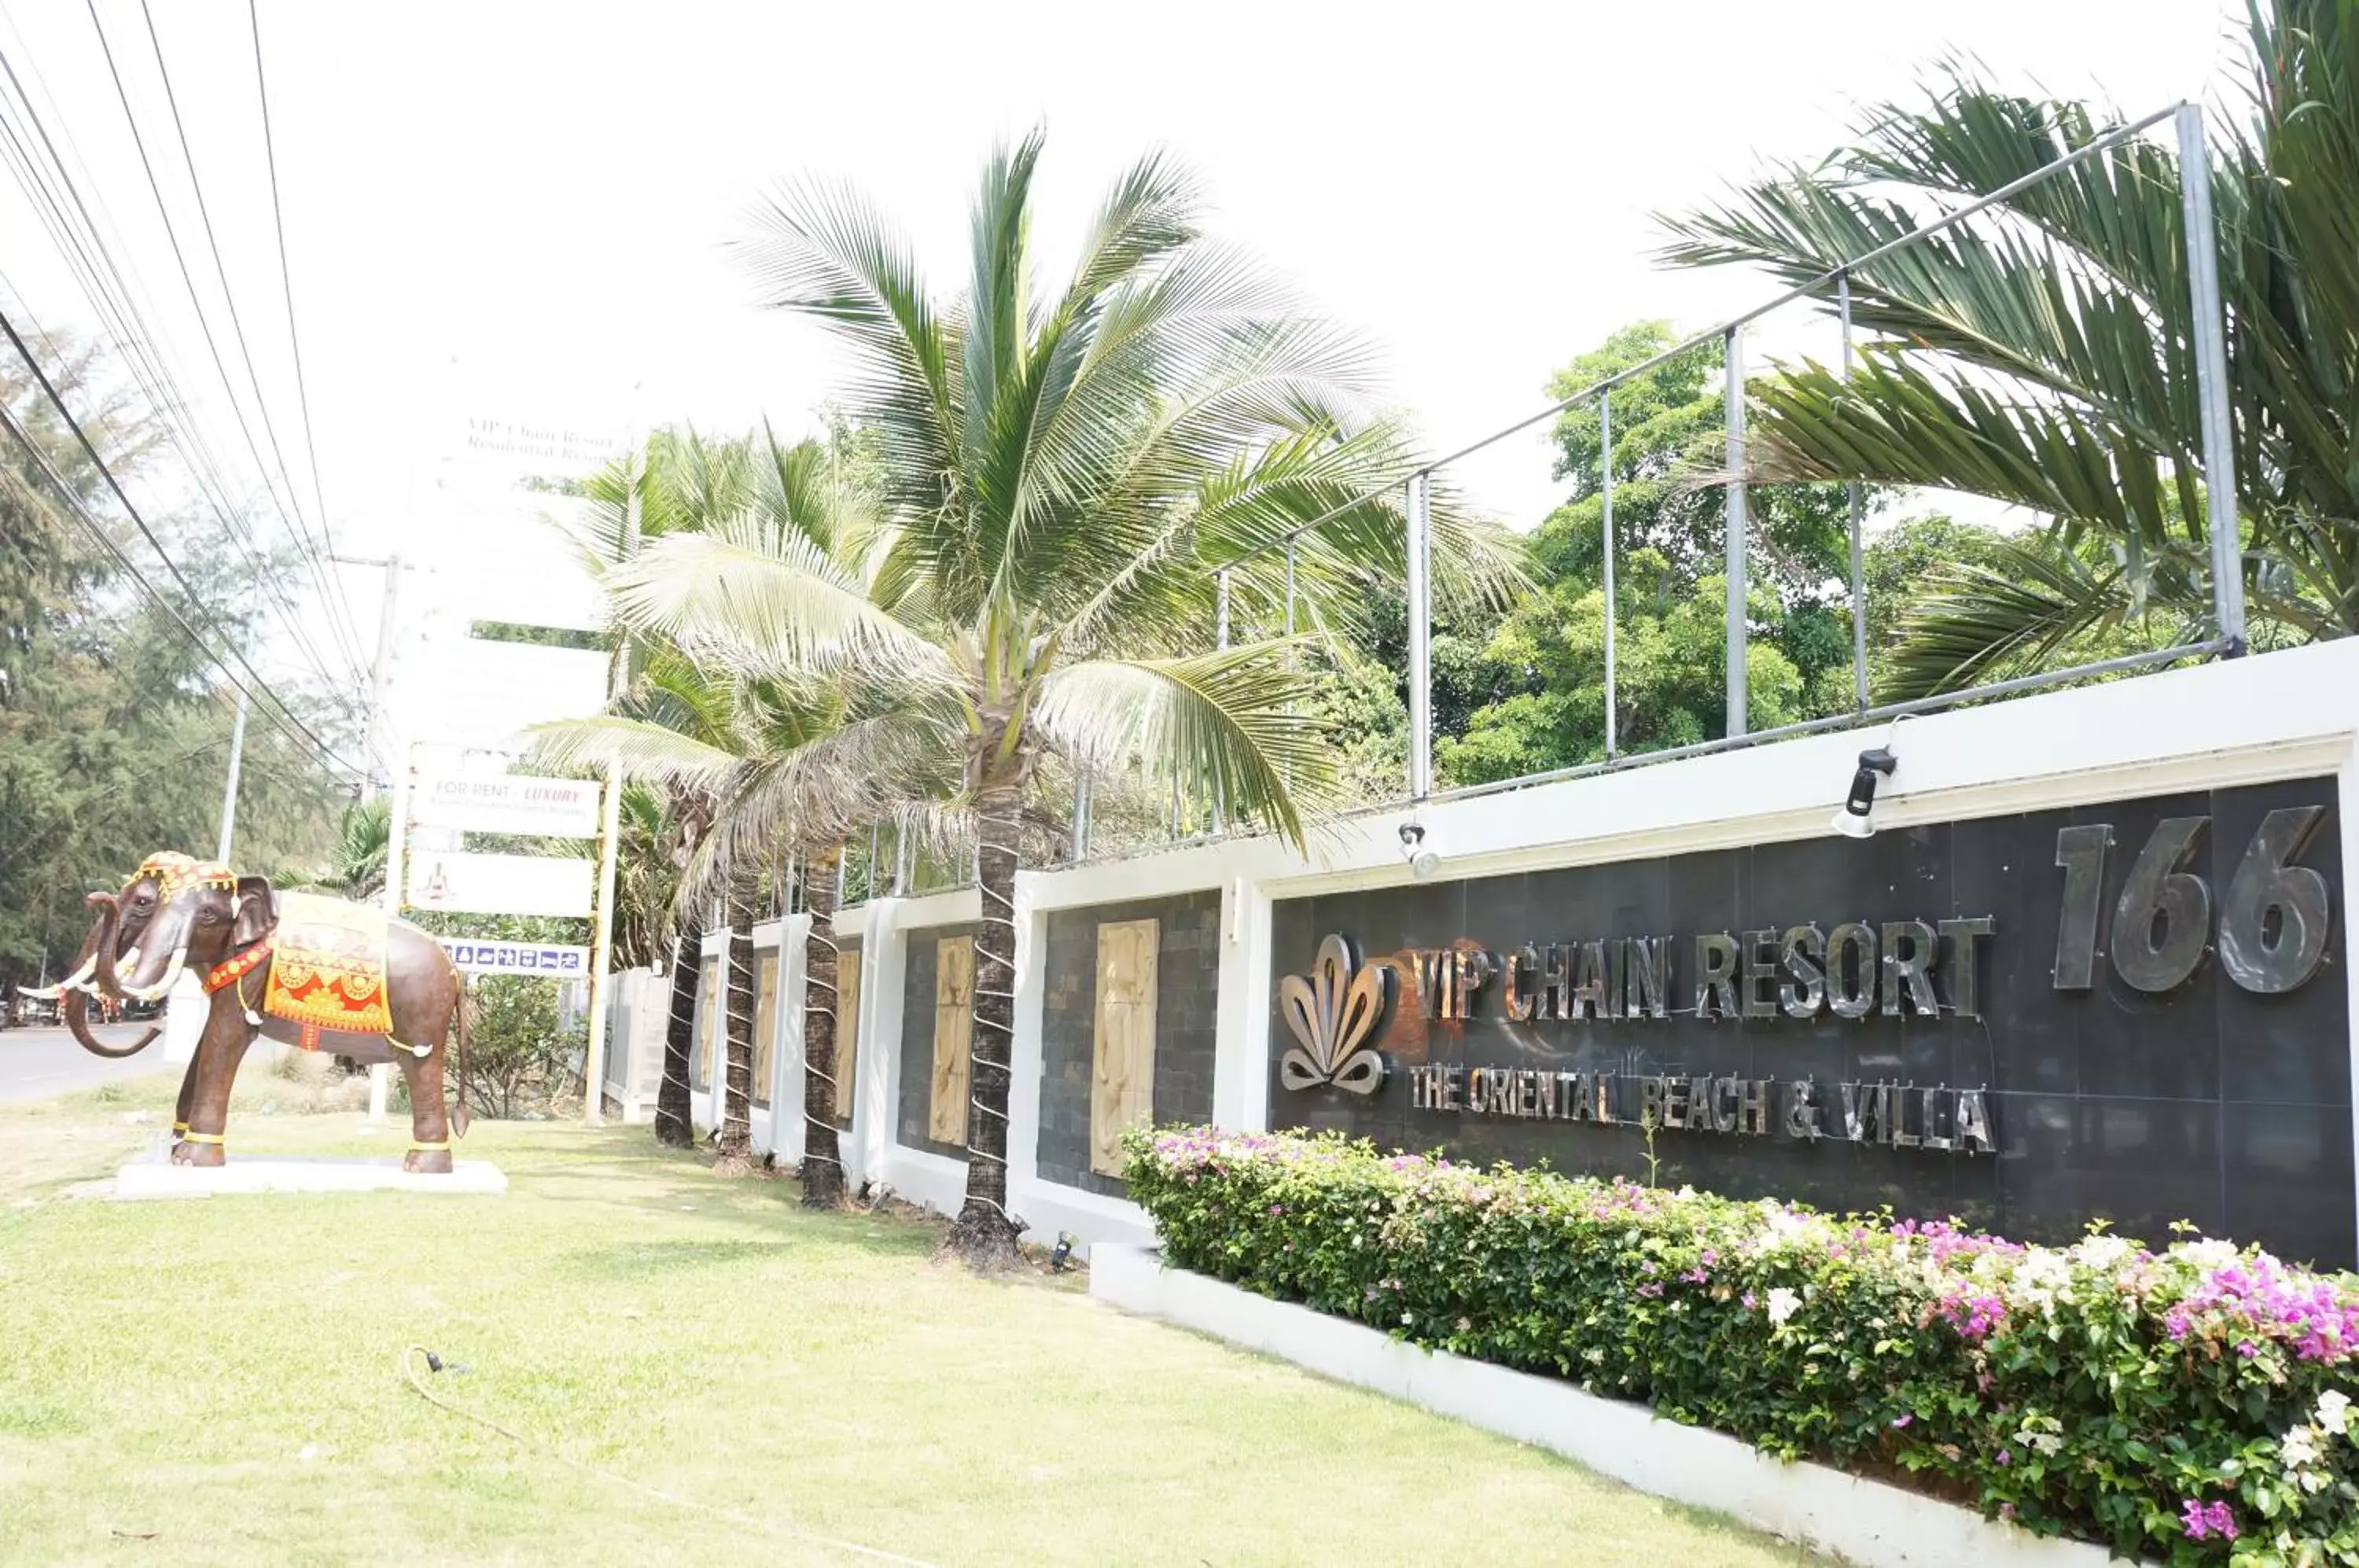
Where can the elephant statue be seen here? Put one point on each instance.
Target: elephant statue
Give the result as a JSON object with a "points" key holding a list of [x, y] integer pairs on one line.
{"points": [[123, 915], [319, 973]]}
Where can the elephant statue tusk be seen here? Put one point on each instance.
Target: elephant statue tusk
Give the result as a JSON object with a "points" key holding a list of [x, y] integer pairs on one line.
{"points": [[92, 987], [77, 980], [171, 976]]}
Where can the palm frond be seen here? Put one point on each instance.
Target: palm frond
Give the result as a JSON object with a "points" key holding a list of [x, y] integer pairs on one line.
{"points": [[822, 250], [643, 749], [768, 594], [1231, 725]]}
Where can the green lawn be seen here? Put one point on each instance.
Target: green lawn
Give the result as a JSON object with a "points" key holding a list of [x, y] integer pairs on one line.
{"points": [[217, 1382]]}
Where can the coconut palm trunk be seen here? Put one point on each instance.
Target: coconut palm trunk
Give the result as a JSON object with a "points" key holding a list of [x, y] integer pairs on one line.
{"points": [[733, 1153], [672, 1126], [823, 1177], [984, 1234]]}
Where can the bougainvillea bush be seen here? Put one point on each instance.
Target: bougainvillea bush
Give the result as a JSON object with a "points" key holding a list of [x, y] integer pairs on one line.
{"points": [[2194, 1404]]}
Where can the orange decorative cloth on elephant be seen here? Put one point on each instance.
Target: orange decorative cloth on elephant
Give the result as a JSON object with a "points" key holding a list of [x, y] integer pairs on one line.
{"points": [[328, 969]]}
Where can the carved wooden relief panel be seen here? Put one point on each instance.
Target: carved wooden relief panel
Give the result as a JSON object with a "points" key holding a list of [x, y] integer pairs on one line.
{"points": [[716, 1008], [1122, 1080], [953, 1032], [847, 1031], [766, 1023]]}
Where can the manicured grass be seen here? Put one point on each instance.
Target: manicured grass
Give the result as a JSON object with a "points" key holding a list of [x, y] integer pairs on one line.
{"points": [[217, 1382]]}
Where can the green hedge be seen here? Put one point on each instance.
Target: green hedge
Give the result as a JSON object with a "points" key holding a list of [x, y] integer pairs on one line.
{"points": [[2193, 1405]]}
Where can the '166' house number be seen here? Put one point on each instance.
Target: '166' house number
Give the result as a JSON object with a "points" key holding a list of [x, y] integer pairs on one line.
{"points": [[2272, 925]]}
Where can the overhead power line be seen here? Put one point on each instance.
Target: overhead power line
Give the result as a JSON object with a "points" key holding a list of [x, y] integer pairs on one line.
{"points": [[285, 277], [331, 597], [278, 715], [94, 268], [258, 687], [142, 373], [188, 281]]}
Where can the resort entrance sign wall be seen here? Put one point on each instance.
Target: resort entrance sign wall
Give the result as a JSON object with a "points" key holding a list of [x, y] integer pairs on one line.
{"points": [[2132, 1010]]}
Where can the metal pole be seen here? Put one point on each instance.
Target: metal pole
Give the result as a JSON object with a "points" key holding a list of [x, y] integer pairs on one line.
{"points": [[1736, 582], [373, 757], [610, 840], [229, 790], [2208, 315], [396, 840], [1289, 633], [1606, 467], [1081, 814], [1290, 589], [1221, 641], [602, 952], [1420, 637], [373, 739], [1856, 496], [871, 893]]}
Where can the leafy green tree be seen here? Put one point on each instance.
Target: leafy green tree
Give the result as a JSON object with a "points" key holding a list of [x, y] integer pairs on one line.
{"points": [[114, 728], [2042, 353], [516, 1050], [1059, 474], [1548, 658]]}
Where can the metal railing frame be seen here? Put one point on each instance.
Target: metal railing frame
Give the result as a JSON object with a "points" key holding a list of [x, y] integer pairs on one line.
{"points": [[2209, 319]]}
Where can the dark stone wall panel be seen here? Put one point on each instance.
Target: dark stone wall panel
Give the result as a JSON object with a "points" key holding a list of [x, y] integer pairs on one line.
{"points": [[917, 1091], [2208, 1103], [1187, 1006]]}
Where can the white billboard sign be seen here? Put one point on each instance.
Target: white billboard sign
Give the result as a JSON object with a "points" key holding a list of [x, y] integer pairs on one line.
{"points": [[501, 884], [561, 807], [483, 693], [474, 956]]}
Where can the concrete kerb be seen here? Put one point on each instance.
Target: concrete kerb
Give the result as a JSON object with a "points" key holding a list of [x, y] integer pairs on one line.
{"points": [[1859, 1520]]}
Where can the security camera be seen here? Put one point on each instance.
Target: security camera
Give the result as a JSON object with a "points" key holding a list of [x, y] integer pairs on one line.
{"points": [[1856, 817], [1422, 862]]}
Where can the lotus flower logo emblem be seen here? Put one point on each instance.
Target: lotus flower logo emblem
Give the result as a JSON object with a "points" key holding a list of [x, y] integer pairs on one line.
{"points": [[1335, 1013]]}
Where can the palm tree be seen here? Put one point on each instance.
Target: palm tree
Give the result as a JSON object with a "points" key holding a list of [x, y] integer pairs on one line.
{"points": [[676, 479], [1058, 476], [357, 870], [772, 767], [646, 879], [2042, 353]]}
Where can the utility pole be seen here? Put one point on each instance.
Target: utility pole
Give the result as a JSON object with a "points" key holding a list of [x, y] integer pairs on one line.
{"points": [[396, 773], [373, 758], [229, 791]]}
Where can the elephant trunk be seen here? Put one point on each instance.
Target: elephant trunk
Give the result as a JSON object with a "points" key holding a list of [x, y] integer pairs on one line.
{"points": [[109, 924], [96, 956]]}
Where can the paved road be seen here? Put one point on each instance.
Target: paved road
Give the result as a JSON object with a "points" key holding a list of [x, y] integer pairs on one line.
{"points": [[41, 1063]]}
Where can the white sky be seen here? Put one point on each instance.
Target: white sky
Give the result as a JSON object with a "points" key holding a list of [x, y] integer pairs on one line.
{"points": [[516, 211]]}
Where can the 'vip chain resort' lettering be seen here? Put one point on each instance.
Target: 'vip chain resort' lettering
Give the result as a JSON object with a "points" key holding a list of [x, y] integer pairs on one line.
{"points": [[1800, 972]]}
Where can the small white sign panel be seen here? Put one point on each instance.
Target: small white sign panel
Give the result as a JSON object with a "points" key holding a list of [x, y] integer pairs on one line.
{"points": [[561, 807], [500, 884], [474, 957], [485, 692]]}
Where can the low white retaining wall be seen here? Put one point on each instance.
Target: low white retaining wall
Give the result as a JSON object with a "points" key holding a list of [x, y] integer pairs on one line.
{"points": [[1863, 1521]]}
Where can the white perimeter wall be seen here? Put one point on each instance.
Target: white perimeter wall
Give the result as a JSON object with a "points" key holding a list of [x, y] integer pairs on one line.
{"points": [[2247, 721]]}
